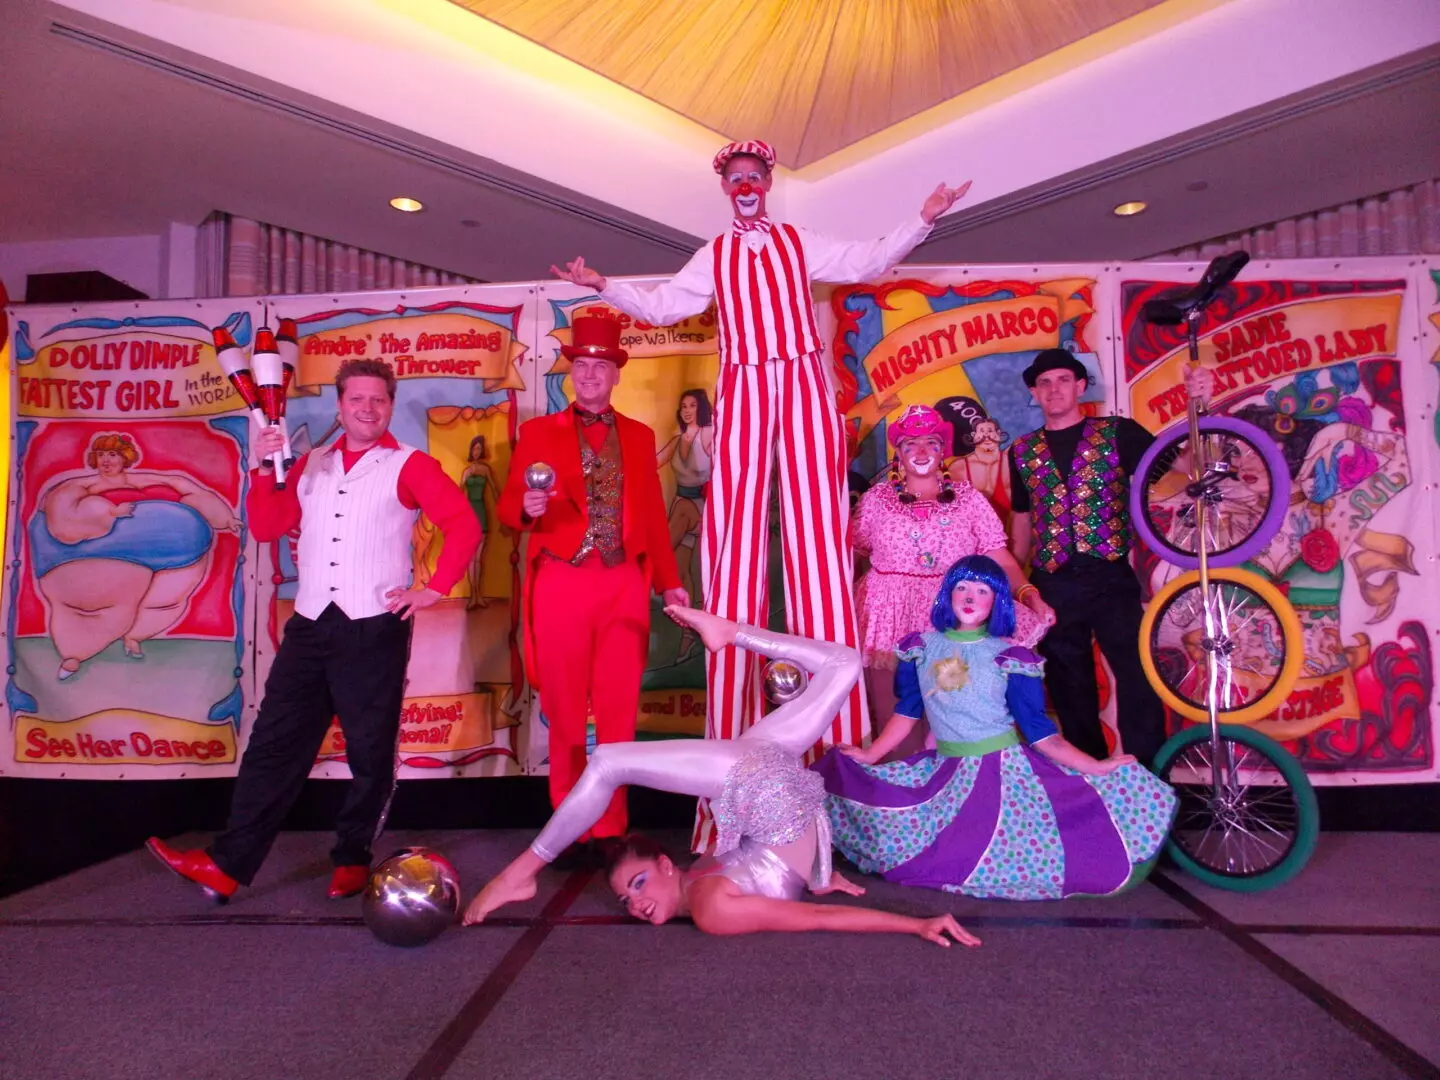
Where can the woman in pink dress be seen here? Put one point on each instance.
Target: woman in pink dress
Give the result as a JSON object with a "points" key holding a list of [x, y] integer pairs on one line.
{"points": [[913, 529]]}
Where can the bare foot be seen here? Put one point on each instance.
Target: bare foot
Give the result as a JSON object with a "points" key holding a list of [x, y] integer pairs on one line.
{"points": [[506, 887], [714, 631]]}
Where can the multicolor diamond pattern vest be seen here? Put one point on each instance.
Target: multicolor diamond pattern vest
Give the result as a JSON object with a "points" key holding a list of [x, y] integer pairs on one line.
{"points": [[1089, 515]]}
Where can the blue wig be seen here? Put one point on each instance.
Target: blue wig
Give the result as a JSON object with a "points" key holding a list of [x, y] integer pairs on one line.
{"points": [[987, 571]]}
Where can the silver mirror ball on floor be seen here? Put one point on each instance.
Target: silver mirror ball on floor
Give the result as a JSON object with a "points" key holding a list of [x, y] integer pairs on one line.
{"points": [[412, 897]]}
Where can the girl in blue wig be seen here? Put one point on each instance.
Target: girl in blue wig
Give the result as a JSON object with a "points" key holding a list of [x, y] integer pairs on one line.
{"points": [[1003, 806]]}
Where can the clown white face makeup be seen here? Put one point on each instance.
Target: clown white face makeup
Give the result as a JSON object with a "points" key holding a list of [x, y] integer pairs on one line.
{"points": [[972, 601], [921, 456], [745, 182]]}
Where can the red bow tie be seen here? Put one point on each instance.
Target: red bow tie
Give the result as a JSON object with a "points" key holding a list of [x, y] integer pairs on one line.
{"points": [[760, 224]]}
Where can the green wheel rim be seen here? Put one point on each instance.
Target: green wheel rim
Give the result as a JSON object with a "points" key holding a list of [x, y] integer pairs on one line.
{"points": [[1241, 816]]}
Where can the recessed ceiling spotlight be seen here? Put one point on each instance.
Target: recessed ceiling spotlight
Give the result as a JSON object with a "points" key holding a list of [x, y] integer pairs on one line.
{"points": [[1129, 209], [407, 204]]}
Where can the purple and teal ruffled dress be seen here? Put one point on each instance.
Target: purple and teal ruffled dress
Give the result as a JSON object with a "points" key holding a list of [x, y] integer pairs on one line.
{"points": [[984, 813]]}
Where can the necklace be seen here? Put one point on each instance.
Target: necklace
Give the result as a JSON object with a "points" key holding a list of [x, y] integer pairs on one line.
{"points": [[928, 517]]}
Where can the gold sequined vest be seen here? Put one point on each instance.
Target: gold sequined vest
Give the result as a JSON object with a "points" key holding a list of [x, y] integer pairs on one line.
{"points": [[604, 498]]}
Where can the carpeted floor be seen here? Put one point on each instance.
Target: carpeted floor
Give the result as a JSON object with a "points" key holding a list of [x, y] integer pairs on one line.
{"points": [[122, 971]]}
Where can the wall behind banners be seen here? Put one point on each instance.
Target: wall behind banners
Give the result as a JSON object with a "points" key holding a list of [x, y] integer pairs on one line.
{"points": [[477, 361]]}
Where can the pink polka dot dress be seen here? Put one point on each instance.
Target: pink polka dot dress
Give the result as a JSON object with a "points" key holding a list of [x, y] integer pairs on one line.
{"points": [[910, 547]]}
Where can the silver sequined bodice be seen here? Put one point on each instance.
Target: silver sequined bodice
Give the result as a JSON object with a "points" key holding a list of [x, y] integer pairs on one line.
{"points": [[770, 799]]}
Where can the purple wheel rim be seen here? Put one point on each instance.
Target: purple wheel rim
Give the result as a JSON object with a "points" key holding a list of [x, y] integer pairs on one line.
{"points": [[1270, 521]]}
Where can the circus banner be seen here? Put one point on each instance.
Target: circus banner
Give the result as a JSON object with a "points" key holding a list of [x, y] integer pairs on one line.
{"points": [[127, 592], [958, 341], [668, 384], [1326, 361], [463, 365]]}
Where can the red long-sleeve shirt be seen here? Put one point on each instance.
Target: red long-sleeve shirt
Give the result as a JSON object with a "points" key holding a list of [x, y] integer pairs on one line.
{"points": [[422, 485]]}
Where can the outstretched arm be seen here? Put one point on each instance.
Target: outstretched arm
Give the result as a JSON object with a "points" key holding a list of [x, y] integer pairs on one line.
{"points": [[687, 293], [722, 909], [1025, 698], [842, 262]]}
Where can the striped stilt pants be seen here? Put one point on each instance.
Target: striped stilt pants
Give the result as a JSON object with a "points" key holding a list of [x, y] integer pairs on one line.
{"points": [[778, 415]]}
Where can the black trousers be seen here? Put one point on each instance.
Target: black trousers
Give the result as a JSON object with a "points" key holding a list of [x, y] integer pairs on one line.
{"points": [[1091, 597], [331, 666]]}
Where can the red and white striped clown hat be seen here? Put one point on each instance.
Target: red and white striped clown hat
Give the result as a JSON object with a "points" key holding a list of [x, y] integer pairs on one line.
{"points": [[753, 147]]}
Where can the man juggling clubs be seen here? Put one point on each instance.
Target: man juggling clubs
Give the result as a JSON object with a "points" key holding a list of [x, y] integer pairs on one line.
{"points": [[773, 399]]}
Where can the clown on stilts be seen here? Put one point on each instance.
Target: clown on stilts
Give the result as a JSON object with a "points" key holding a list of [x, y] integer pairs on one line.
{"points": [[773, 397]]}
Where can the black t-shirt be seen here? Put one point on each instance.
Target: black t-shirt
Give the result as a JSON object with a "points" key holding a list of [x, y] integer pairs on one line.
{"points": [[1134, 440]]}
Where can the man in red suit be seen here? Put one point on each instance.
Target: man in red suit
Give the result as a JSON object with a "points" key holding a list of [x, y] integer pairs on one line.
{"points": [[599, 541]]}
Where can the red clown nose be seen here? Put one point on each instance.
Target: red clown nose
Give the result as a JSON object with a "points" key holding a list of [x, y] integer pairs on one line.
{"points": [[745, 188]]}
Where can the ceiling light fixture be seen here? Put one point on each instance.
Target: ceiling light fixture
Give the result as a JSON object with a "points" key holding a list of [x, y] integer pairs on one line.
{"points": [[407, 204], [1129, 209]]}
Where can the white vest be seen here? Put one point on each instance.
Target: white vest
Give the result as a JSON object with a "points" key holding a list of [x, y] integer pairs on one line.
{"points": [[355, 534], [763, 298]]}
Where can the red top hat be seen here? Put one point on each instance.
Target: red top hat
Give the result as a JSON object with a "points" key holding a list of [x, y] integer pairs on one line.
{"points": [[596, 336]]}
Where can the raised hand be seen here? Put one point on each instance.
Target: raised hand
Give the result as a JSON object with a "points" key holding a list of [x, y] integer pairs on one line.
{"points": [[937, 928], [536, 501], [941, 200], [578, 273], [1199, 383], [269, 441]]}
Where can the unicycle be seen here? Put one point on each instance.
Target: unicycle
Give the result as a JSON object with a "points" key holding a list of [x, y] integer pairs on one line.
{"points": [[1221, 645]]}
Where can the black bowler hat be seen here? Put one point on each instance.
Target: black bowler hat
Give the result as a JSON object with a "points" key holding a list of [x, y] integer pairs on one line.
{"points": [[1054, 360]]}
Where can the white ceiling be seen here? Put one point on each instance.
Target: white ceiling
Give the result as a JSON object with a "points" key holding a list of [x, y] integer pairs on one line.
{"points": [[119, 135], [101, 143], [1372, 133]]}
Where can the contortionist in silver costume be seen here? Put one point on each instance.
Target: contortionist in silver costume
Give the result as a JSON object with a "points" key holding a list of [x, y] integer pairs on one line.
{"points": [[773, 837]]}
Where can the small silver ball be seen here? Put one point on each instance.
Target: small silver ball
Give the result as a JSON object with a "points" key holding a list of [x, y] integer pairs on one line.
{"points": [[539, 477], [783, 681]]}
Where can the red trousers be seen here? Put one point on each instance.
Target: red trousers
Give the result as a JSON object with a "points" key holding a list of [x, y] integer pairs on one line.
{"points": [[592, 636]]}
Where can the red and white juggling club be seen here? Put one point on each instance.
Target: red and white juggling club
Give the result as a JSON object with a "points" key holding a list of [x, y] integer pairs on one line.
{"points": [[288, 342], [270, 382], [236, 366]]}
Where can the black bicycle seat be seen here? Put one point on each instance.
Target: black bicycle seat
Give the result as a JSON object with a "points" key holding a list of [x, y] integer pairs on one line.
{"points": [[1176, 307]]}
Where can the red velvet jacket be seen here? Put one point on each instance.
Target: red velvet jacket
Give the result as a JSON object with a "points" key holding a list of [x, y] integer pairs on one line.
{"points": [[645, 531]]}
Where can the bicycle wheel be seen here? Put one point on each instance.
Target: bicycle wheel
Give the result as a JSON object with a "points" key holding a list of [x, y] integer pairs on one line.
{"points": [[1251, 634], [1258, 828], [1246, 489]]}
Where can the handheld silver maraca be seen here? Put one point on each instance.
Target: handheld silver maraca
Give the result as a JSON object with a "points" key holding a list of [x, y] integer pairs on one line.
{"points": [[539, 477]]}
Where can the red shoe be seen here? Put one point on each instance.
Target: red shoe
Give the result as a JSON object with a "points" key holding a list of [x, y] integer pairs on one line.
{"points": [[348, 881], [197, 867]]}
